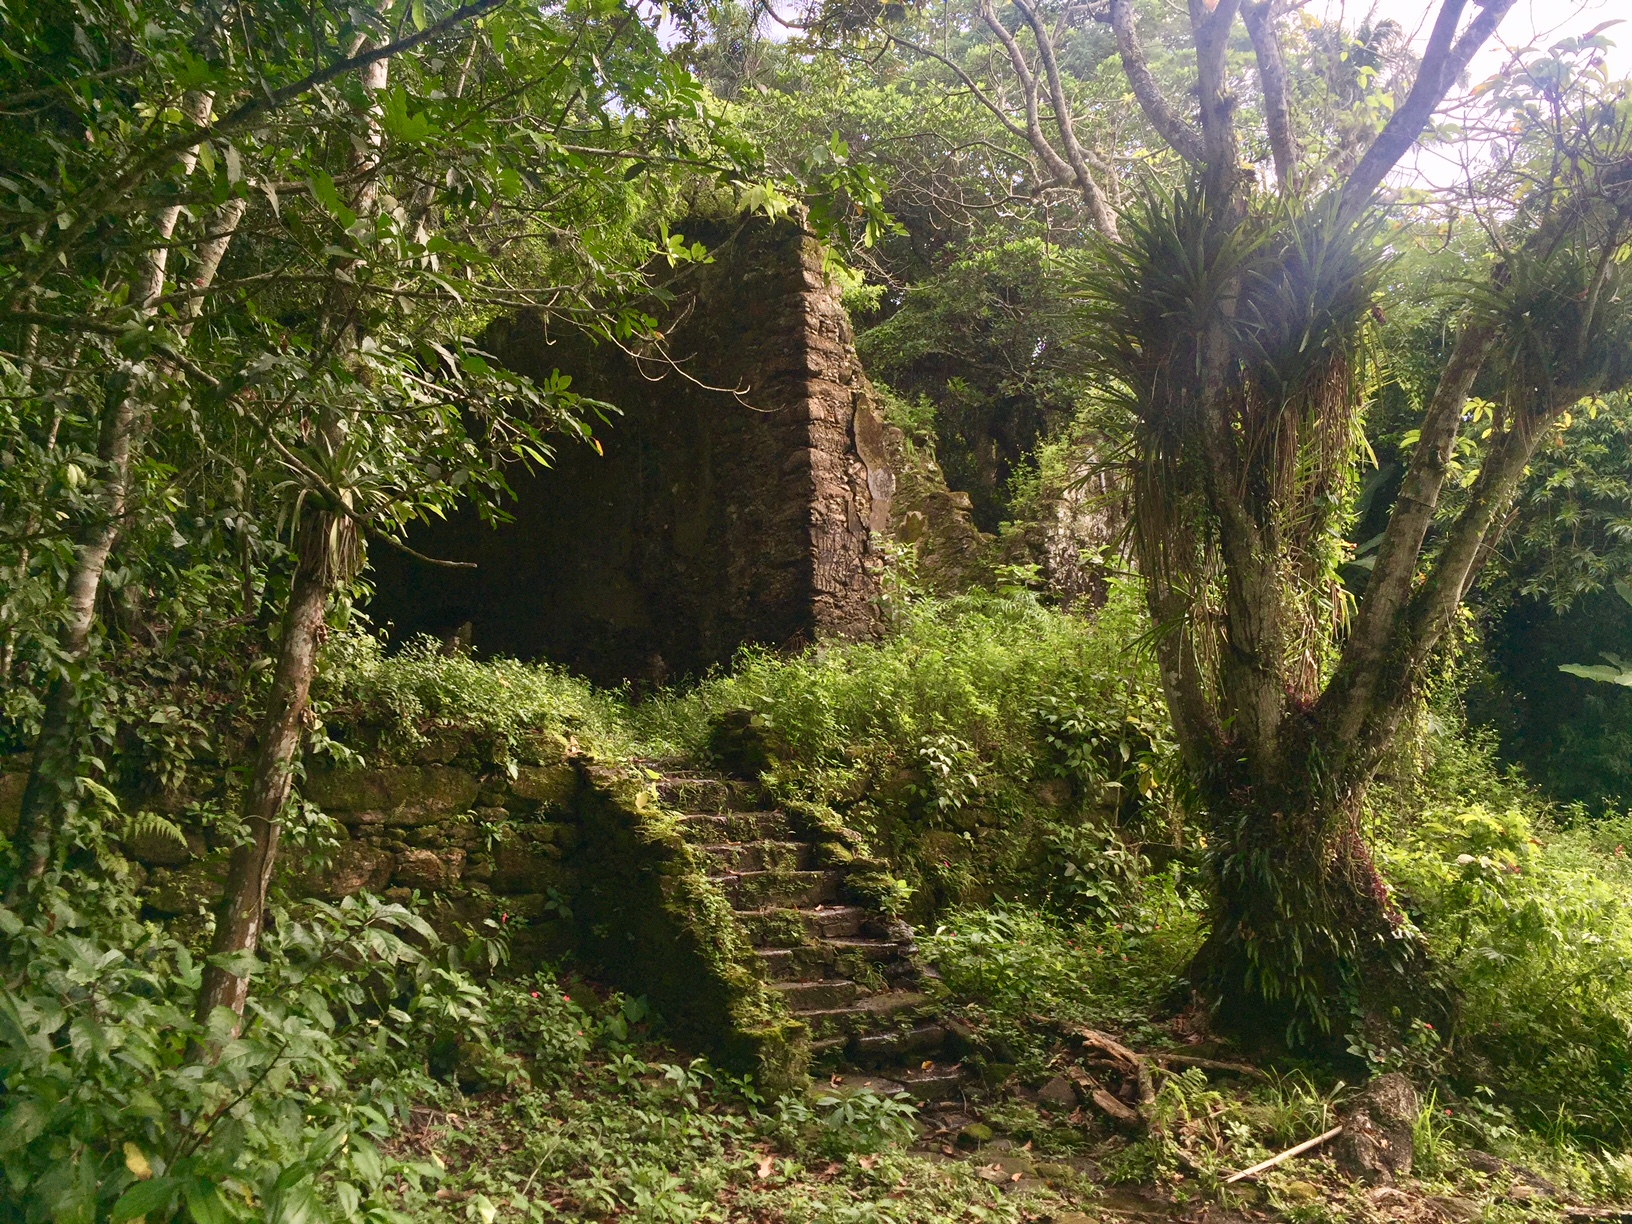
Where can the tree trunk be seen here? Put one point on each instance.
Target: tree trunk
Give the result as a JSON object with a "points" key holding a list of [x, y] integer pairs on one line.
{"points": [[240, 916], [54, 769], [1305, 937], [51, 777]]}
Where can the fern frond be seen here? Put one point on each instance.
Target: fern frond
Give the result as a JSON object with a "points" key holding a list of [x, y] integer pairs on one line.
{"points": [[151, 830]]}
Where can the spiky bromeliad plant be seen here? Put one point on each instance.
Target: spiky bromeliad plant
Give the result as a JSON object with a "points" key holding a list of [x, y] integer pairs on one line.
{"points": [[1231, 323]]}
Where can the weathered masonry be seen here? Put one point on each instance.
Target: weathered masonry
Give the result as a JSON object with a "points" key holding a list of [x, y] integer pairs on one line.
{"points": [[736, 501]]}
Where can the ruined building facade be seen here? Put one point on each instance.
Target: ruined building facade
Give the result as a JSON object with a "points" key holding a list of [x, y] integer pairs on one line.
{"points": [[740, 497]]}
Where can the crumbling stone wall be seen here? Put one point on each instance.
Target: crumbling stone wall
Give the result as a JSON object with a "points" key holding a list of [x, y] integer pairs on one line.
{"points": [[573, 857], [736, 500]]}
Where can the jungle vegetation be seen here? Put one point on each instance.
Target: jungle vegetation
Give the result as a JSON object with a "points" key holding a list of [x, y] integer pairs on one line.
{"points": [[1355, 679]]}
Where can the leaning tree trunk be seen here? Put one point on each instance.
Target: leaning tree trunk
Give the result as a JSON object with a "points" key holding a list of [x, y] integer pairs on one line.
{"points": [[51, 777], [326, 545], [52, 772], [329, 556]]}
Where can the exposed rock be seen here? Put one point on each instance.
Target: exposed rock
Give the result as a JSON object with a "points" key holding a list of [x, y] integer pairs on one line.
{"points": [[935, 521], [1484, 1162], [742, 742], [353, 866], [398, 795], [975, 1134], [429, 870], [1376, 1144], [547, 785], [441, 746], [1055, 793], [519, 867], [1058, 1094], [184, 891]]}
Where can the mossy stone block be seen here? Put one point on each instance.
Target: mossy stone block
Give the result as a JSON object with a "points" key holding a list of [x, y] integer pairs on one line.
{"points": [[542, 748], [353, 866], [429, 870], [403, 794], [188, 890], [539, 943], [562, 836], [522, 868], [441, 746], [546, 785]]}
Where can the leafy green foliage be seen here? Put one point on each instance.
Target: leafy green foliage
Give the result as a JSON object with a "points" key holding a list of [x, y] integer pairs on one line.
{"points": [[1011, 964], [612, 1127], [986, 340], [107, 1115], [1536, 926], [937, 744], [400, 698]]}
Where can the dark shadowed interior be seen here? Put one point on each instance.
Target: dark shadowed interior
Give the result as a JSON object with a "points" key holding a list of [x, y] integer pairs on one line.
{"points": [[713, 518]]}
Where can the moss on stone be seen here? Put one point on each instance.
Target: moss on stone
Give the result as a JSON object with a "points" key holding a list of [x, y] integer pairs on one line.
{"points": [[405, 794], [187, 891], [651, 920], [549, 786], [867, 880]]}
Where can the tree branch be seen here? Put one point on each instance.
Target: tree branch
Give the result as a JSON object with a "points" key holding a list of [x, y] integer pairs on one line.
{"points": [[1098, 207], [1260, 20], [1182, 136], [1211, 21], [1348, 697], [1050, 156], [1013, 129], [88, 207], [1445, 59]]}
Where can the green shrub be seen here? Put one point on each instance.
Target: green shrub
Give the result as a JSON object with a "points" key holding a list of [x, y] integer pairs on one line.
{"points": [[106, 1112], [1535, 925], [402, 696], [1010, 964], [972, 748]]}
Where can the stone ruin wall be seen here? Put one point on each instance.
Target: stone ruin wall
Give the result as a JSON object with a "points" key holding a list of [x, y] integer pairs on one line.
{"points": [[738, 500]]}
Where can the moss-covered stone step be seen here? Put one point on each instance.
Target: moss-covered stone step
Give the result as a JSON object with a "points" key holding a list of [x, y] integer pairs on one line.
{"points": [[866, 1015], [822, 995], [897, 1045], [828, 958], [757, 889], [712, 829], [787, 927], [936, 1082], [688, 793], [761, 856]]}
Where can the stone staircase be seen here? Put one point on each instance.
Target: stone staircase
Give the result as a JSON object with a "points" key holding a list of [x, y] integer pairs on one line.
{"points": [[849, 972]]}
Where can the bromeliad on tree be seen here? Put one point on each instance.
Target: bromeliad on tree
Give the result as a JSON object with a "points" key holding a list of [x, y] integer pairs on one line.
{"points": [[1231, 319]]}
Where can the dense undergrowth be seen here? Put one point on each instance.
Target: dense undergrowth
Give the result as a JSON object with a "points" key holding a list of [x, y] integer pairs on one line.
{"points": [[1009, 760]]}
